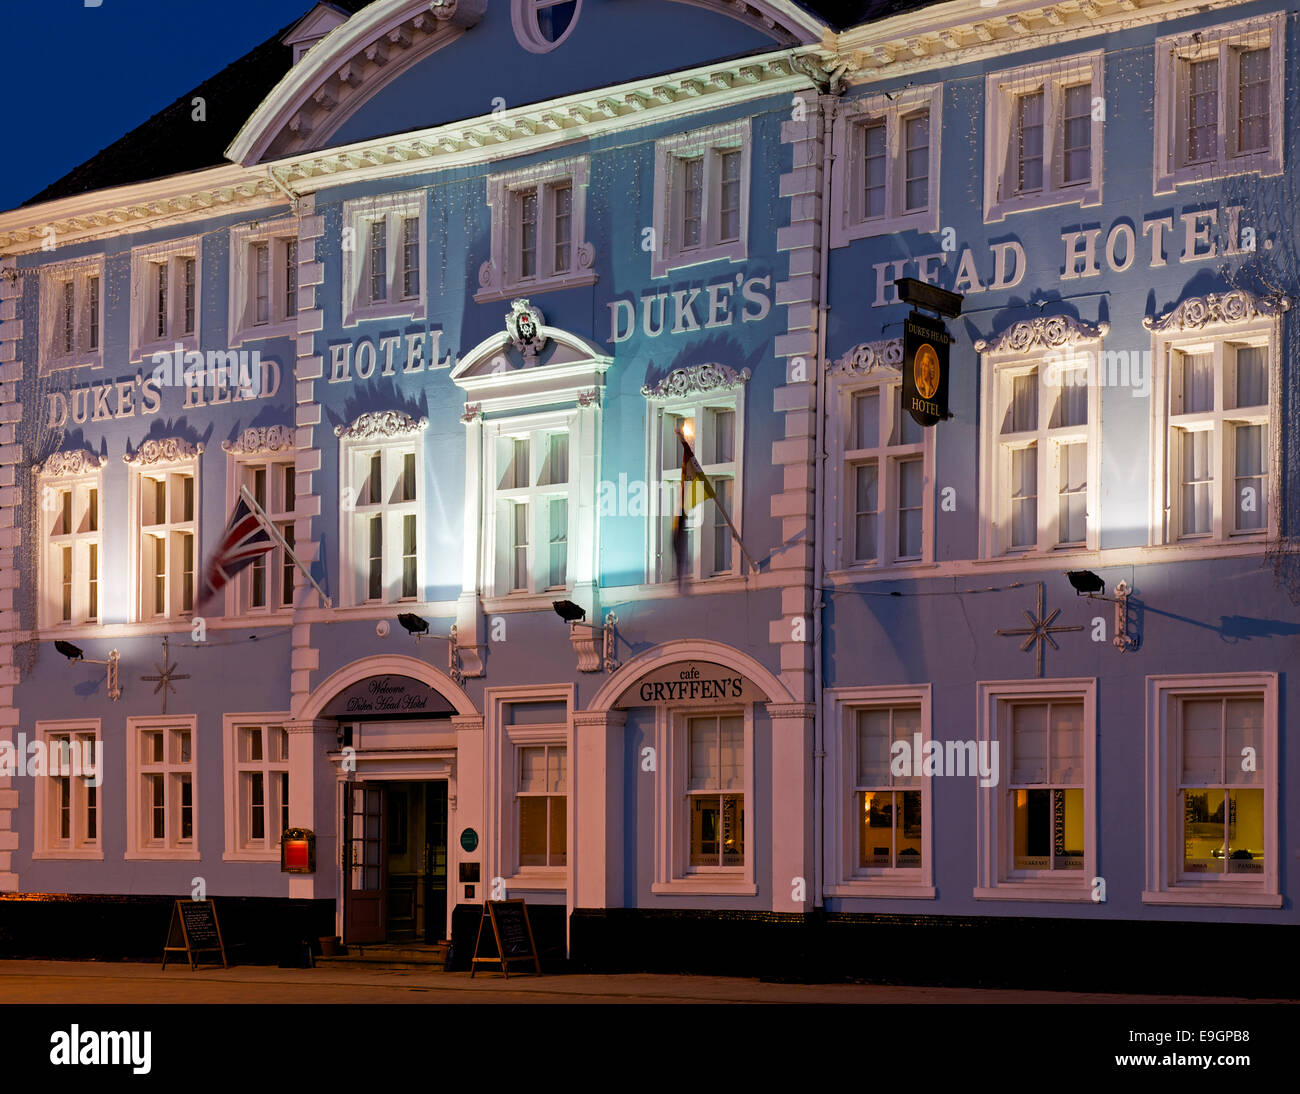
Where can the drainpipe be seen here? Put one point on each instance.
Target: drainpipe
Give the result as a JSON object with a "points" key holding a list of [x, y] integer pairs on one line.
{"points": [[829, 97]]}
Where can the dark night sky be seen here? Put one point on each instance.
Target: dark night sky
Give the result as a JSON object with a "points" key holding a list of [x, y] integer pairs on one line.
{"points": [[78, 78]]}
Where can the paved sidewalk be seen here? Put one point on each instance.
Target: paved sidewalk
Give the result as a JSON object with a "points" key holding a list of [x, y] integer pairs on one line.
{"points": [[88, 982]]}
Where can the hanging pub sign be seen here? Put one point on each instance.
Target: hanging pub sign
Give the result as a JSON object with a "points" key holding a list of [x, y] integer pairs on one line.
{"points": [[925, 368]]}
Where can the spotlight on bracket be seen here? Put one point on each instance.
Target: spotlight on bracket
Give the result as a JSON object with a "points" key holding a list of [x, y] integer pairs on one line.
{"points": [[413, 623], [1085, 582], [71, 652], [569, 611]]}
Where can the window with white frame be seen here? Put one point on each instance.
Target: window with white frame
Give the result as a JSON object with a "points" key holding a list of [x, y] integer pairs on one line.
{"points": [[165, 537], [541, 25], [263, 281], [1044, 136], [885, 177], [1220, 439], [162, 819], [1212, 780], [1037, 821], [383, 269], [714, 824], [1041, 460], [533, 502], [878, 824], [701, 205], [165, 297], [267, 584], [74, 543], [257, 785], [1219, 102], [712, 426], [72, 314], [382, 517], [886, 482], [541, 805], [530, 758], [539, 217], [68, 805]]}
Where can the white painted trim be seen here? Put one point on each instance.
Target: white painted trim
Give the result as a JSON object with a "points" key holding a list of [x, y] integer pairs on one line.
{"points": [[144, 343], [524, 19], [1001, 91], [380, 665], [994, 880], [668, 254], [843, 878], [135, 806], [136, 473], [42, 837], [498, 278], [240, 327], [49, 310], [48, 594], [357, 215], [1169, 169], [234, 806], [846, 223], [1162, 884]]}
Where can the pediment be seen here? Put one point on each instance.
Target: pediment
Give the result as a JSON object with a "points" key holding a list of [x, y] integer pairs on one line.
{"points": [[312, 27], [374, 75]]}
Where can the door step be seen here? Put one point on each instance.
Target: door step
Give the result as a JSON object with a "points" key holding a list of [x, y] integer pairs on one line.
{"points": [[390, 955]]}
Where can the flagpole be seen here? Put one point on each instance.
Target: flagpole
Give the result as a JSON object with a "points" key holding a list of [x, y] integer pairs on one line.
{"points": [[708, 489], [274, 533], [753, 566]]}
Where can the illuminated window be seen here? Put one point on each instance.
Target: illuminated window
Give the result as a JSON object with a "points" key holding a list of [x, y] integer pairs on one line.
{"points": [[885, 480], [166, 282], [1036, 824], [888, 806], [541, 801], [72, 314], [257, 782], [1213, 776], [267, 585], [162, 808], [1217, 100], [68, 807], [702, 197], [1041, 462], [382, 515], [885, 176], [164, 499], [713, 427], [70, 574], [383, 268], [715, 797], [529, 843]]}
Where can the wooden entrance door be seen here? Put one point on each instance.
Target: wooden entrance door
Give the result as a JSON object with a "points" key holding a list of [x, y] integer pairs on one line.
{"points": [[365, 917]]}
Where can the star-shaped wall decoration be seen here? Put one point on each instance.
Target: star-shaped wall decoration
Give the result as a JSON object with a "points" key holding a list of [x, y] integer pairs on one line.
{"points": [[1040, 629]]}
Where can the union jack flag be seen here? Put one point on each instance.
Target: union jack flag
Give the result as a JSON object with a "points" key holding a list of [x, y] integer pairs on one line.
{"points": [[246, 540]]}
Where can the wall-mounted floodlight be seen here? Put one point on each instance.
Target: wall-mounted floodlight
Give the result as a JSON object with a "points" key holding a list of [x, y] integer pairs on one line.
{"points": [[1085, 582], [418, 628], [575, 615], [1088, 584], [74, 654]]}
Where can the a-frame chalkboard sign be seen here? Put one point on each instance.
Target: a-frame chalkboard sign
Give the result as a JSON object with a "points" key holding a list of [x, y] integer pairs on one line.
{"points": [[194, 930], [513, 934]]}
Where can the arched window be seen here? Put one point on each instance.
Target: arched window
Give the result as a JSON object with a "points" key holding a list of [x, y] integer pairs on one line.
{"points": [[541, 25]]}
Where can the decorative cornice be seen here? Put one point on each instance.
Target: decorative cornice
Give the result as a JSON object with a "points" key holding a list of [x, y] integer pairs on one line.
{"points": [[1042, 332], [257, 439], [1198, 312], [381, 423], [870, 357], [166, 450], [76, 461], [696, 379]]}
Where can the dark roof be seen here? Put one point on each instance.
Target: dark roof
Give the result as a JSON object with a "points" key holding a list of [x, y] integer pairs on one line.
{"points": [[170, 143], [851, 13]]}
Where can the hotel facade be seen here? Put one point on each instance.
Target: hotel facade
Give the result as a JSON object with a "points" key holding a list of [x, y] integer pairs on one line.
{"points": [[442, 297]]}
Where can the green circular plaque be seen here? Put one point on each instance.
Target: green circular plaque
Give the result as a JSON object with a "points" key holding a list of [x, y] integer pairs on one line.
{"points": [[469, 839]]}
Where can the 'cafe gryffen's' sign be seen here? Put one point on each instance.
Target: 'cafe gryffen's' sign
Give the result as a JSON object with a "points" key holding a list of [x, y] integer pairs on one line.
{"points": [[685, 682]]}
